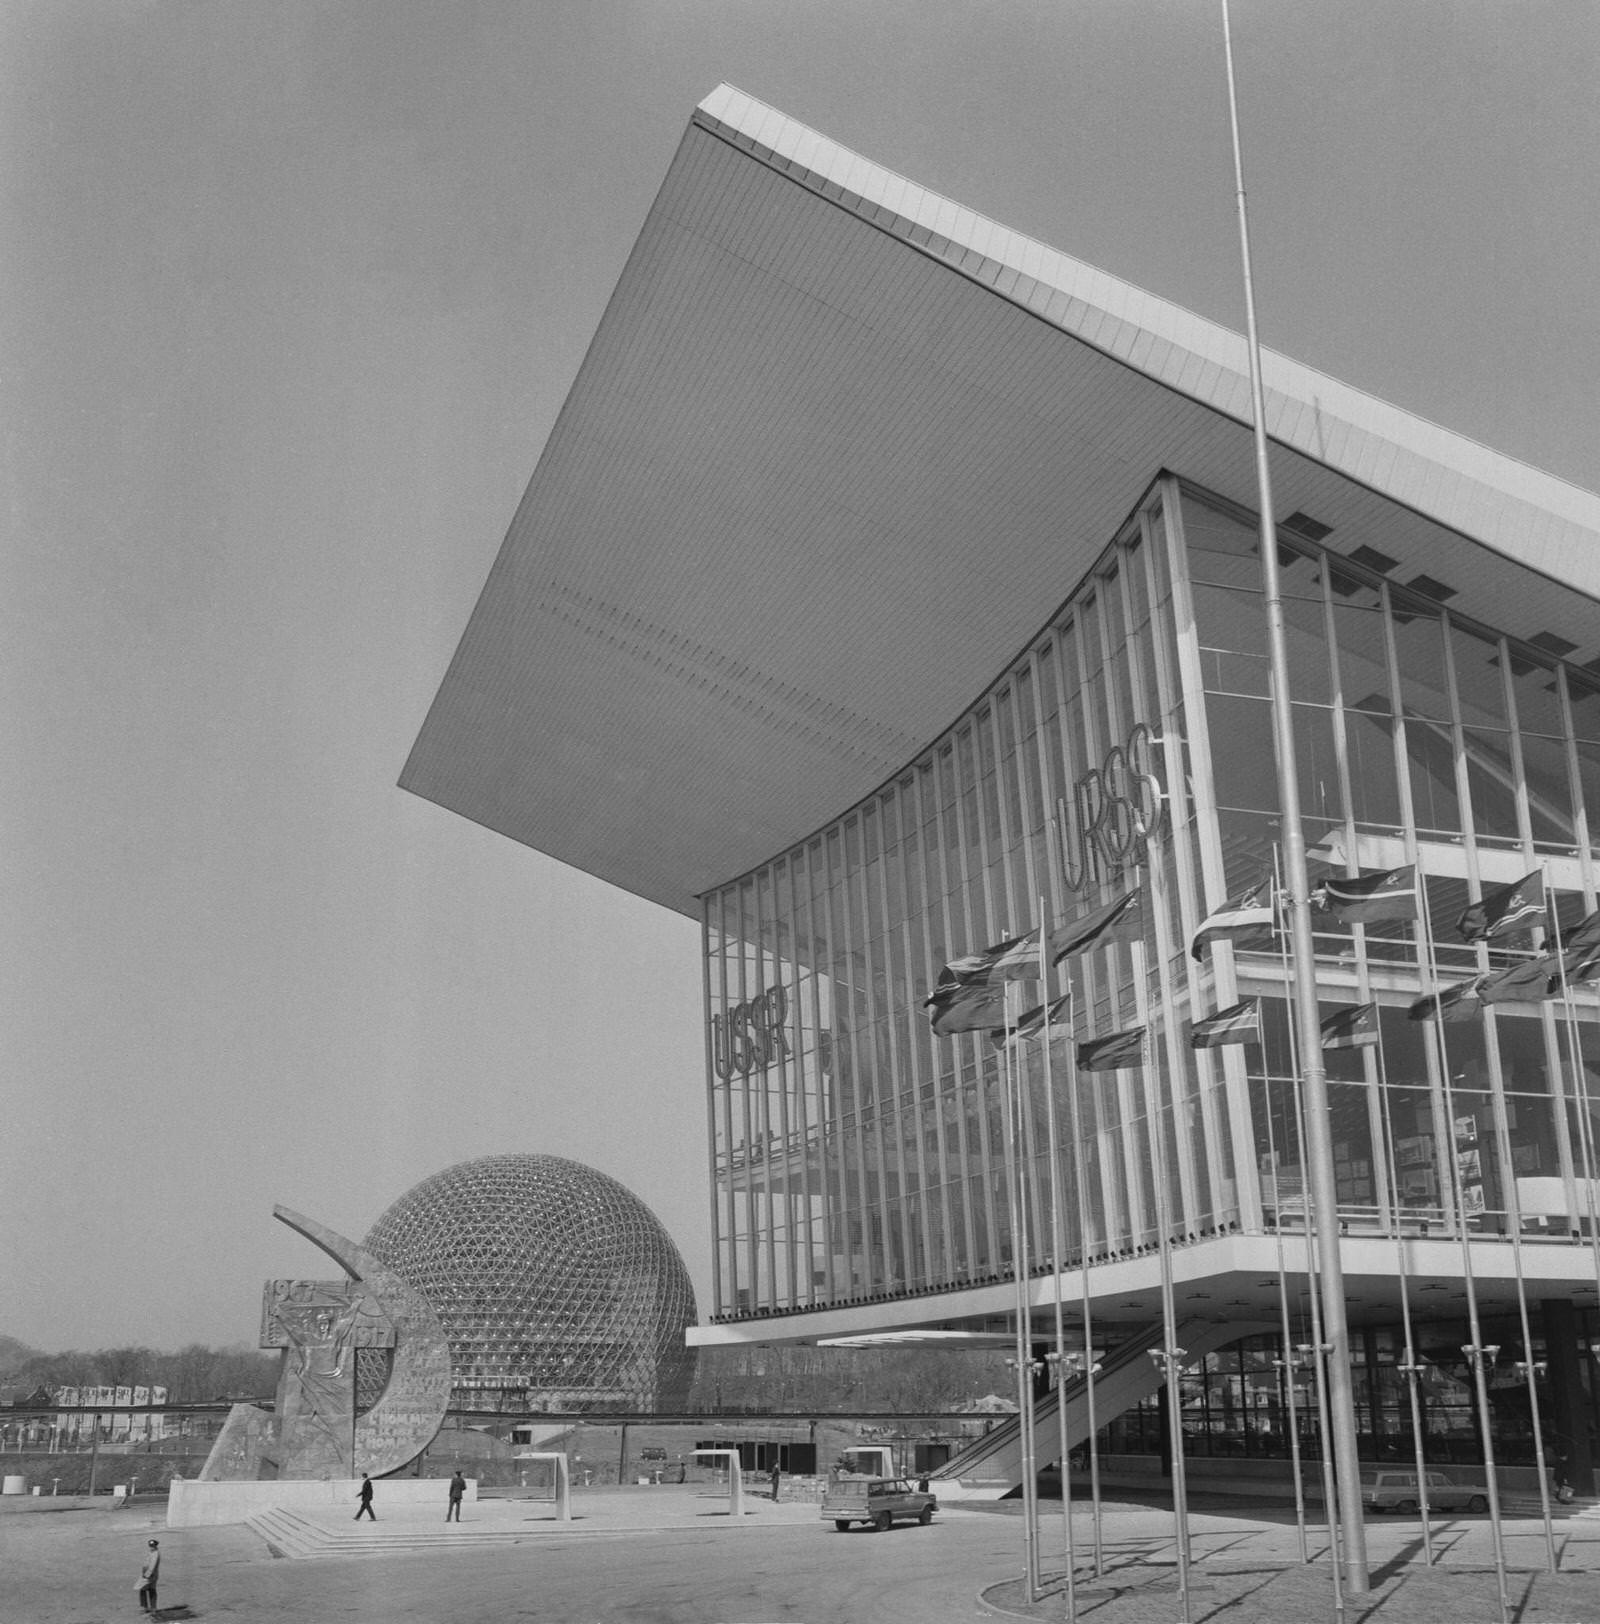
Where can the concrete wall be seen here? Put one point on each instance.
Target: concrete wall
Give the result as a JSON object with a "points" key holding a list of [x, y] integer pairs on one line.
{"points": [[193, 1504]]}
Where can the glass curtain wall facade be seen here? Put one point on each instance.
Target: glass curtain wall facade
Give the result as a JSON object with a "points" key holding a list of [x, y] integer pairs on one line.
{"points": [[856, 1156]]}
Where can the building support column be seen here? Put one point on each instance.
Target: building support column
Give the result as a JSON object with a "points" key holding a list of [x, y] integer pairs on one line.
{"points": [[1571, 1408]]}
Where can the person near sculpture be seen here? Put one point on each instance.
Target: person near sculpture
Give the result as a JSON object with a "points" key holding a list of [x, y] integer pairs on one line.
{"points": [[365, 1497], [148, 1576], [458, 1487]]}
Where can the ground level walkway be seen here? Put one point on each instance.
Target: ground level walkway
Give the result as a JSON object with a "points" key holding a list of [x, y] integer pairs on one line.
{"points": [[641, 1555]]}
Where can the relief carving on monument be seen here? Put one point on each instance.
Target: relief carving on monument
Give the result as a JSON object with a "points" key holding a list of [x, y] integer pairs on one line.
{"points": [[319, 1427]]}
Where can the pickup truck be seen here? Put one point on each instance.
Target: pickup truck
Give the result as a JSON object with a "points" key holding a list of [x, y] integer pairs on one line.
{"points": [[876, 1501]]}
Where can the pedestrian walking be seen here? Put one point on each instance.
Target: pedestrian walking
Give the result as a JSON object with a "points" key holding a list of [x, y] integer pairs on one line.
{"points": [[777, 1475], [149, 1574], [365, 1509], [458, 1487]]}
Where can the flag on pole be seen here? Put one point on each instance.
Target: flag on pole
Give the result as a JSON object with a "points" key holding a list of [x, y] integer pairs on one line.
{"points": [[1457, 1003], [1041, 1018], [1504, 909], [966, 1006], [1015, 959], [1246, 920], [1579, 964], [1352, 1026], [1113, 1052], [1385, 893], [1238, 1023], [1586, 933], [1120, 920], [1526, 983]]}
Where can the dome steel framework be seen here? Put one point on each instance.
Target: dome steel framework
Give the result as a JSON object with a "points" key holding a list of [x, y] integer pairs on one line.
{"points": [[558, 1289]]}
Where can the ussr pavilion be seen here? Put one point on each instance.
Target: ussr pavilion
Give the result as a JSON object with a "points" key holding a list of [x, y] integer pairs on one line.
{"points": [[889, 586]]}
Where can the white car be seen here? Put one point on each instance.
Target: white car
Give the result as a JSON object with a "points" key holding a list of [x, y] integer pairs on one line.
{"points": [[1397, 1491]]}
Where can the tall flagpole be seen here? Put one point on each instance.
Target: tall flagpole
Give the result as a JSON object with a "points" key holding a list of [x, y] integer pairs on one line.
{"points": [[1313, 1078], [1169, 1357], [1017, 1202], [1478, 1354], [1412, 1369], [1059, 1359]]}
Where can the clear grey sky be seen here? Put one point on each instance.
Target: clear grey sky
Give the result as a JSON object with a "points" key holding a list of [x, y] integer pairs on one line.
{"points": [[291, 295]]}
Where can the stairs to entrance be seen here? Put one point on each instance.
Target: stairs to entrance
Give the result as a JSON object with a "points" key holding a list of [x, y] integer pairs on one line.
{"points": [[288, 1533]]}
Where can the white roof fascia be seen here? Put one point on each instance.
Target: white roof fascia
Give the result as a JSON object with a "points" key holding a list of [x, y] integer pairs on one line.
{"points": [[1527, 515]]}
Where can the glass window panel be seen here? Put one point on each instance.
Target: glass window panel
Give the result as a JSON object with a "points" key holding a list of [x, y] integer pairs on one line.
{"points": [[1306, 650], [1316, 764], [1479, 688], [1585, 692], [1350, 1125], [1433, 776], [1520, 1040], [1374, 788], [1232, 620], [1544, 769], [1419, 644], [1119, 657], [1243, 764], [1221, 548], [1491, 783], [1589, 779], [1533, 686], [1248, 839]]}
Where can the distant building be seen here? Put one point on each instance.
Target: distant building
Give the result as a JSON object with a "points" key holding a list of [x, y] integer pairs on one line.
{"points": [[557, 1288], [114, 1414]]}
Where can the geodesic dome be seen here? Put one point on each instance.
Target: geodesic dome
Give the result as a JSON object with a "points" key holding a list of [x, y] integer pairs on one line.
{"points": [[558, 1289]]}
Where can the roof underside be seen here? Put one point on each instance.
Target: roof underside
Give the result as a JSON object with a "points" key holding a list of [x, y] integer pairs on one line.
{"points": [[836, 453]]}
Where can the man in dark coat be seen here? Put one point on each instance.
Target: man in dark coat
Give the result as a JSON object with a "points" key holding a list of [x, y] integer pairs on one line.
{"points": [[458, 1487], [365, 1509], [149, 1574]]}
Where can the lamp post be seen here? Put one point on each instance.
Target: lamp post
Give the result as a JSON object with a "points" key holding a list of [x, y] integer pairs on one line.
{"points": [[1412, 1371], [1069, 1368], [1169, 1361]]}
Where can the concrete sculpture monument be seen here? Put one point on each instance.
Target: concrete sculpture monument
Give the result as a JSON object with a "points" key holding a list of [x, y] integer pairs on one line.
{"points": [[318, 1427]]}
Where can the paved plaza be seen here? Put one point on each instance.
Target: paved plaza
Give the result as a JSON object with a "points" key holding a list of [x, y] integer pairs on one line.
{"points": [[674, 1556]]}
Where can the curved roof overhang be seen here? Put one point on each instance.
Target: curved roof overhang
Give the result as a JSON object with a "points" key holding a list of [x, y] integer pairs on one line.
{"points": [[837, 450]]}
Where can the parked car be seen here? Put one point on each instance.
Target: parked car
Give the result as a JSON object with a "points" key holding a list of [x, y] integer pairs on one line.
{"points": [[1397, 1491], [876, 1501]]}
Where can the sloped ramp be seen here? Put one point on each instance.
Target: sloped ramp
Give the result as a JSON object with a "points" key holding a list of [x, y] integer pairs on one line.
{"points": [[992, 1466]]}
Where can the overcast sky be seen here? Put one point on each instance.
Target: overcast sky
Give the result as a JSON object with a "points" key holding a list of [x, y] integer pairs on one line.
{"points": [[292, 294]]}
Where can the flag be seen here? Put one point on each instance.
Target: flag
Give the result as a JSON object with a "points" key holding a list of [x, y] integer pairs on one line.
{"points": [[1457, 1003], [966, 1006], [1005, 960], [1238, 1023], [1385, 893], [1525, 983], [1245, 920], [1121, 920], [1113, 1052], [1032, 1022], [1579, 964], [1352, 1026], [1584, 934], [1504, 909], [1016, 959]]}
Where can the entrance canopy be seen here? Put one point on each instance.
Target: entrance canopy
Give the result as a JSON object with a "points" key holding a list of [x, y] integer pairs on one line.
{"points": [[837, 450]]}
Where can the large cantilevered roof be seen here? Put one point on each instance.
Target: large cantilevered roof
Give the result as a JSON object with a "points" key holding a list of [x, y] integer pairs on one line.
{"points": [[838, 449]]}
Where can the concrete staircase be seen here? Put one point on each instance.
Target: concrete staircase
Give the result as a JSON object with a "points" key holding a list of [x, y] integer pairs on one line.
{"points": [[992, 1467], [289, 1533]]}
